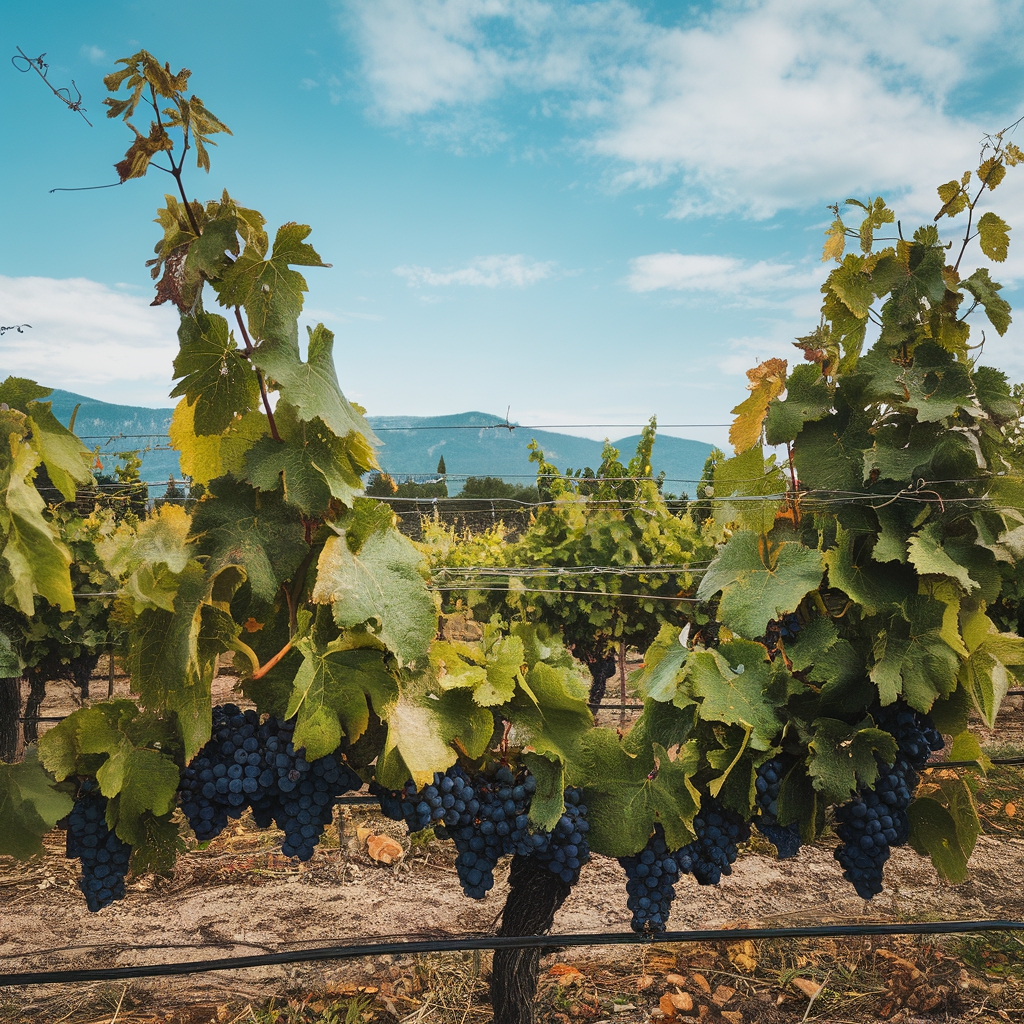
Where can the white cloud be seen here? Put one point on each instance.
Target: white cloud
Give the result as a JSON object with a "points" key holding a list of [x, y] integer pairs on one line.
{"points": [[723, 274], [484, 271], [94, 54], [88, 338], [754, 107]]}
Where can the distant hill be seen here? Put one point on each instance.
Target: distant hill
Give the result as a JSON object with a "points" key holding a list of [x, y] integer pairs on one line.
{"points": [[472, 443]]}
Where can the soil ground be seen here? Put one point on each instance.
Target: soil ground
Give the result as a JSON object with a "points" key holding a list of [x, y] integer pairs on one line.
{"points": [[239, 896]]}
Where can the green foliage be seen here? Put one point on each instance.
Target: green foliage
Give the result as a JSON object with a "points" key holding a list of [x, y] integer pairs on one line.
{"points": [[894, 580]]}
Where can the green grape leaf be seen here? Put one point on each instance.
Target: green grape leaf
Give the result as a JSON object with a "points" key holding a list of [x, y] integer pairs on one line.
{"points": [[993, 236], [144, 782], [928, 555], [986, 673], [310, 464], [548, 801], [829, 454], [869, 583], [760, 579], [731, 686], [381, 584], [503, 672], [65, 457], [812, 643], [330, 695], [11, 665], [937, 386], [756, 487], [946, 834], [30, 806], [912, 657], [986, 291], [853, 285], [658, 678], [21, 393], [217, 379], [421, 730], [254, 530], [550, 713], [842, 757], [164, 659], [37, 560], [147, 558], [626, 794], [808, 398], [266, 286], [992, 388], [312, 388]]}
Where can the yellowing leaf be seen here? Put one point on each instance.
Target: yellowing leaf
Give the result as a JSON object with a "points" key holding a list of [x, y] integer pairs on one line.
{"points": [[835, 241], [993, 236], [767, 381]]}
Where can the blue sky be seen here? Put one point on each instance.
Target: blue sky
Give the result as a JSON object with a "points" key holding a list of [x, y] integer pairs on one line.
{"points": [[588, 212]]}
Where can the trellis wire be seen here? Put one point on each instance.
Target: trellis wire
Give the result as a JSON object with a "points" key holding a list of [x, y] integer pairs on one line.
{"points": [[495, 942]]}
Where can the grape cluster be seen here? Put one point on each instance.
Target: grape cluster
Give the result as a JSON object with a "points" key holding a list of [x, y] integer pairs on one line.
{"points": [[103, 855], [786, 838], [783, 629], [719, 831], [875, 821], [564, 850], [651, 876], [249, 764], [487, 818]]}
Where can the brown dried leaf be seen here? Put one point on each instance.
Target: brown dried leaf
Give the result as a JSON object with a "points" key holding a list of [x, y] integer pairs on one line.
{"points": [[384, 849], [722, 995], [733, 1016], [702, 983], [1011, 810], [808, 987], [567, 975], [743, 955], [675, 979], [667, 1006], [682, 1001]]}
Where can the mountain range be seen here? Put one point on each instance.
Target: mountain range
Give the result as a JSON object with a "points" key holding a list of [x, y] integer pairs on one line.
{"points": [[472, 444]]}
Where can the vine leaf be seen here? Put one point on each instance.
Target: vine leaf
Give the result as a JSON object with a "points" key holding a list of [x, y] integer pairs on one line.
{"points": [[204, 457], [549, 711], [548, 801], [760, 579], [331, 692], [767, 382], [37, 559], [628, 792], [148, 558], [842, 757], [266, 286], [422, 728], [808, 398], [944, 826], [217, 379], [758, 484], [871, 584], [310, 465], [731, 686], [254, 530], [30, 805], [986, 291], [993, 236], [312, 388], [989, 667], [930, 558], [379, 583], [911, 655]]}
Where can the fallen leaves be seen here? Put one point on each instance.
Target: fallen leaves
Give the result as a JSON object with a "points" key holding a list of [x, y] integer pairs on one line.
{"points": [[384, 849], [807, 986]]}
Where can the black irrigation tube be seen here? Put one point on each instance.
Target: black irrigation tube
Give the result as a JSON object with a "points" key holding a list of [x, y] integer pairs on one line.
{"points": [[377, 949]]}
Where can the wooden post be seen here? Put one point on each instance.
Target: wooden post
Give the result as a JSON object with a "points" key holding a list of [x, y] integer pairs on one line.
{"points": [[622, 683]]}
